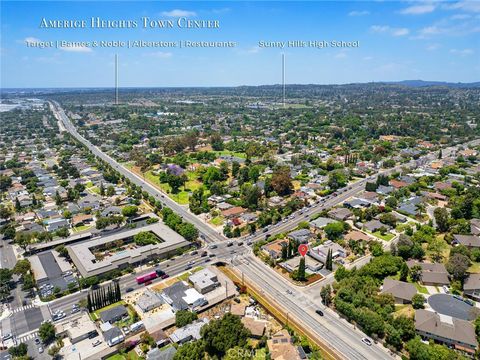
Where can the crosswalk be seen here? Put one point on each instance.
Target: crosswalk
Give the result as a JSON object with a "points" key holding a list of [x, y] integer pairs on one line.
{"points": [[24, 338], [23, 308]]}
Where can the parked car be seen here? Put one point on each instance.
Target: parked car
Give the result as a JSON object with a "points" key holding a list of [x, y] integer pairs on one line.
{"points": [[319, 312], [6, 336], [40, 349], [96, 342], [37, 341], [129, 290]]}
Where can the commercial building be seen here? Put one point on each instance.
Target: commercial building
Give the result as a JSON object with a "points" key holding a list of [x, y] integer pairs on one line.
{"points": [[83, 254], [204, 281]]}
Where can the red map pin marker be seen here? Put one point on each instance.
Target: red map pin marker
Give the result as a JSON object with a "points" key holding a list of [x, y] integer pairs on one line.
{"points": [[302, 249]]}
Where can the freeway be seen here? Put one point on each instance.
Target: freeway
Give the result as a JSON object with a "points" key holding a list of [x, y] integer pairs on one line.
{"points": [[209, 234]]}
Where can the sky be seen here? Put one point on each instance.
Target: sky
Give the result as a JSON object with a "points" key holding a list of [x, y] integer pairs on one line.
{"points": [[398, 40]]}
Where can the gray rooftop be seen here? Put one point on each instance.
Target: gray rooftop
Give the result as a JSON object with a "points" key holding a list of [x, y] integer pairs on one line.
{"points": [[86, 263]]}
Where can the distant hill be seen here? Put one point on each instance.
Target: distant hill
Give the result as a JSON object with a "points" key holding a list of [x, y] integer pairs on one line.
{"points": [[422, 83]]}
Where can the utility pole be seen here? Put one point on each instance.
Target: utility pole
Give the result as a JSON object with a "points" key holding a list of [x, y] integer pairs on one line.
{"points": [[283, 77], [116, 79]]}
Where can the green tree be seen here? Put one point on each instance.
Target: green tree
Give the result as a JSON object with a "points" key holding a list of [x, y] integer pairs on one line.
{"points": [[194, 350], [442, 219], [47, 332], [301, 269], [145, 238], [418, 301], [238, 353], [281, 181], [337, 179], [334, 230], [326, 294], [458, 265], [216, 142], [22, 267], [415, 272], [221, 335], [129, 210], [403, 272], [18, 351], [185, 317]]}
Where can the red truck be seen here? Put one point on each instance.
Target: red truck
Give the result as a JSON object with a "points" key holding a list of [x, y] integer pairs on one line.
{"points": [[146, 277]]}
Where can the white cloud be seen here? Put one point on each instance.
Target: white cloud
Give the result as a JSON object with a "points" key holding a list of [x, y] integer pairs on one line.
{"points": [[221, 11], [340, 55], [253, 50], [418, 9], [432, 47], [460, 16], [359, 13], [379, 28], [368, 58], [179, 13], [400, 32], [462, 52], [384, 29], [160, 54], [31, 40], [470, 6], [77, 49]]}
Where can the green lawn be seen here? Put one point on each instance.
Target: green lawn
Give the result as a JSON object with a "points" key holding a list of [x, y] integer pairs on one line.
{"points": [[232, 153], [184, 276], [420, 288], [217, 221], [474, 268], [132, 355], [81, 228], [386, 237], [182, 196], [260, 354]]}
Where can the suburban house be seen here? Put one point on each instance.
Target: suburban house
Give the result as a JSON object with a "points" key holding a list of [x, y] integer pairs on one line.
{"points": [[320, 252], [356, 235], [149, 300], [274, 249], [114, 314], [470, 241], [459, 334], [340, 214], [321, 222], [188, 332], [432, 274], [471, 286], [301, 236], [375, 225], [281, 347], [402, 291]]}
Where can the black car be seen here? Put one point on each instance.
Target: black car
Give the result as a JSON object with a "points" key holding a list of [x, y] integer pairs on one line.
{"points": [[319, 312], [129, 290], [160, 272]]}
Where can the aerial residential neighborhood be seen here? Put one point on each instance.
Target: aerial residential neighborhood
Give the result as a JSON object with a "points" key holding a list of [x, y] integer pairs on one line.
{"points": [[233, 180]]}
